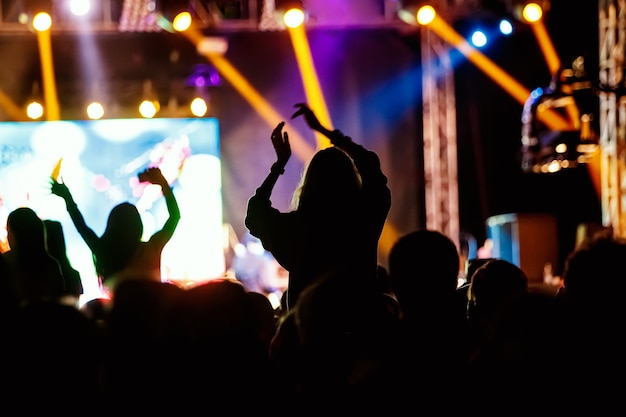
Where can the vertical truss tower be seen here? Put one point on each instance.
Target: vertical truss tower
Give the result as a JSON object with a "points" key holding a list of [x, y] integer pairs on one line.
{"points": [[440, 146], [612, 53]]}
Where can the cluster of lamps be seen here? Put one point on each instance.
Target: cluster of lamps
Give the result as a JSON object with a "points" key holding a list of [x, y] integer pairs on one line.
{"points": [[179, 15]]}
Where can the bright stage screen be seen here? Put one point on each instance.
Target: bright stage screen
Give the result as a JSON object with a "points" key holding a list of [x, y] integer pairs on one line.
{"points": [[99, 163]]}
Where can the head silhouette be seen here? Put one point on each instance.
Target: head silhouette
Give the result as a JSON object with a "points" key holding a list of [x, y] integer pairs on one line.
{"points": [[331, 180], [120, 239], [25, 231]]}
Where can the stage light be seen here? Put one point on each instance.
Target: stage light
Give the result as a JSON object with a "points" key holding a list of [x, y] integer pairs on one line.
{"points": [[42, 22], [290, 13], [546, 150], [416, 12], [530, 11], [174, 15], [505, 26], [34, 110], [95, 110], [478, 38], [199, 107], [150, 106], [79, 7]]}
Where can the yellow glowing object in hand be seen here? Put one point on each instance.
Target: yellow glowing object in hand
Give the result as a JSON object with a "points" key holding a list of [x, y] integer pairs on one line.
{"points": [[57, 170]]}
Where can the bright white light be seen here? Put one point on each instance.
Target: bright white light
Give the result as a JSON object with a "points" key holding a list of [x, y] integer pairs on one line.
{"points": [[293, 18], [425, 15], [148, 109], [182, 21], [479, 39], [79, 7], [198, 107], [532, 12], [506, 28], [95, 110], [42, 22], [34, 110]]}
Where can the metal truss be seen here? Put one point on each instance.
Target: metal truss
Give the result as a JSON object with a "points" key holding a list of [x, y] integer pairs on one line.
{"points": [[440, 146], [612, 52]]}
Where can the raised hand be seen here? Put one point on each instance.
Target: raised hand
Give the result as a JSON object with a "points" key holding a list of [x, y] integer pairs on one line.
{"points": [[60, 189], [152, 175], [280, 141], [309, 116]]}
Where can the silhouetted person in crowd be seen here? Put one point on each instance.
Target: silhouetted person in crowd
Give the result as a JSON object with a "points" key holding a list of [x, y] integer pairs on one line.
{"points": [[55, 243], [51, 361], [593, 299], [341, 208], [215, 330], [336, 347], [515, 340], [139, 358], [120, 253], [432, 341], [34, 274]]}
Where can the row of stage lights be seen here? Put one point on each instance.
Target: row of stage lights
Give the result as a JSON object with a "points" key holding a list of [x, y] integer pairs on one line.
{"points": [[178, 16]]}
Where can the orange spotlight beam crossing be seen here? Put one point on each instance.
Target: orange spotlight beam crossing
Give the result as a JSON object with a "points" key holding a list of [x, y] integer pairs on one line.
{"points": [[47, 71], [552, 60], [310, 81], [552, 119], [546, 45], [299, 146]]}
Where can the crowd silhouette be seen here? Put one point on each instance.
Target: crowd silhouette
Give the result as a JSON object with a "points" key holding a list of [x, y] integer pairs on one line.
{"points": [[350, 335]]}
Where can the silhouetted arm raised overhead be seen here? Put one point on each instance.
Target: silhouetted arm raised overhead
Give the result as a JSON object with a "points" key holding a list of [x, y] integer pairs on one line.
{"points": [[155, 176], [88, 235]]}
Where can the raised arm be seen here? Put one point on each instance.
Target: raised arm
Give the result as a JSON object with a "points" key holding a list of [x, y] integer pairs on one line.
{"points": [[88, 235], [280, 141], [155, 176]]}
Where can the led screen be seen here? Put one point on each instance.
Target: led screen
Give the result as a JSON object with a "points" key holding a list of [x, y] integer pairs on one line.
{"points": [[99, 161]]}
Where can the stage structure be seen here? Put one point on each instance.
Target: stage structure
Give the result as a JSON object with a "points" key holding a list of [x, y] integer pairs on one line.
{"points": [[612, 50]]}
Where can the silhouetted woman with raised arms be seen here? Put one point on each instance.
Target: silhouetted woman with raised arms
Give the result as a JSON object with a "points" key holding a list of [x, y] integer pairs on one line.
{"points": [[340, 210], [120, 254]]}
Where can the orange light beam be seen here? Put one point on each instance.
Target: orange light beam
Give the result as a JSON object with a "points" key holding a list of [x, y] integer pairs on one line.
{"points": [[546, 45], [299, 146], [13, 110], [317, 102], [47, 71], [553, 61], [552, 119], [310, 81]]}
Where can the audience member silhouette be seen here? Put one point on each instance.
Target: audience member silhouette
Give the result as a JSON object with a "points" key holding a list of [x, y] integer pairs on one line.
{"points": [[55, 243], [51, 361], [120, 253], [34, 274], [335, 346], [593, 302], [215, 330], [515, 338], [432, 346], [139, 357], [340, 210]]}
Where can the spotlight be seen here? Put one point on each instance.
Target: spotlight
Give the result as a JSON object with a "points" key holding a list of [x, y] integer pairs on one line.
{"points": [[530, 11], [416, 12], [570, 94], [37, 14], [290, 13], [174, 15], [34, 108], [150, 106], [79, 7], [95, 110]]}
